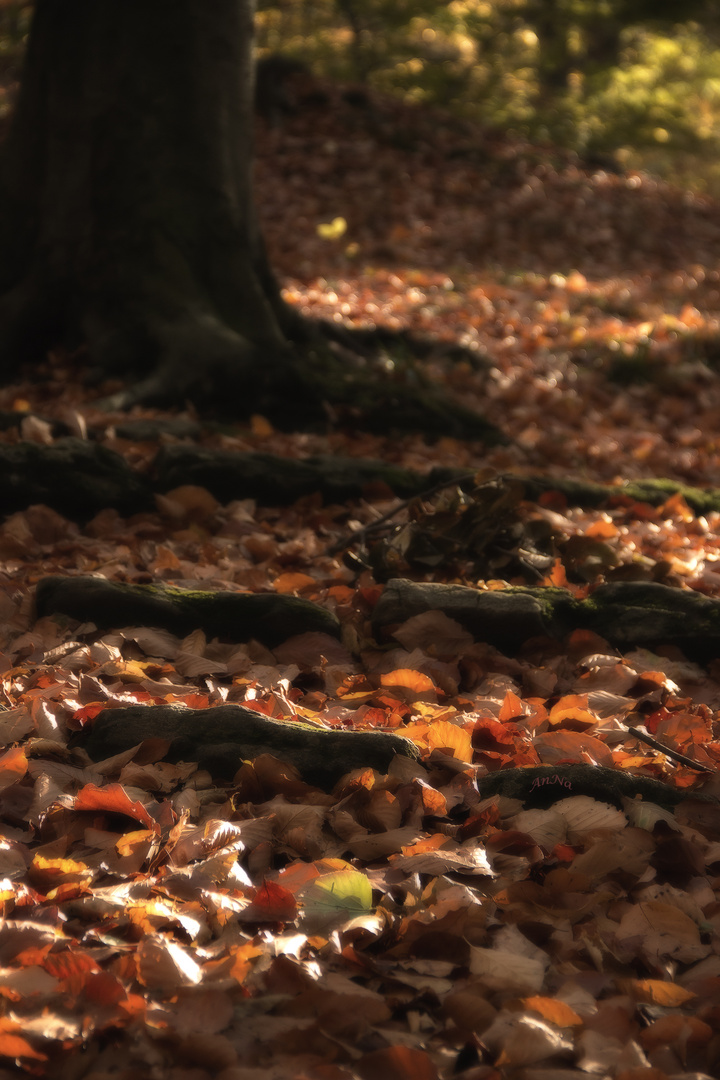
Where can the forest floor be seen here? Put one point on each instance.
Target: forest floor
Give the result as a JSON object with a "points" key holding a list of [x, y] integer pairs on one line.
{"points": [[158, 924]]}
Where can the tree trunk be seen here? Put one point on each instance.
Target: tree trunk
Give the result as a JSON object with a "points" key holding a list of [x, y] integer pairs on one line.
{"points": [[127, 225], [127, 218], [550, 21]]}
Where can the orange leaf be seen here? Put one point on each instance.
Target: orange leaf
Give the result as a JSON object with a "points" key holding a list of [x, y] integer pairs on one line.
{"points": [[352, 687], [571, 710], [397, 1063], [51, 870], [88, 712], [556, 576], [433, 801], [446, 736], [409, 678], [568, 704], [676, 507], [13, 766], [658, 992], [243, 958], [512, 706], [261, 426], [557, 1012], [685, 1031], [113, 799], [429, 843], [196, 701], [299, 875], [67, 890], [342, 593], [71, 964], [602, 530], [488, 734], [132, 842], [290, 583], [15, 1046]]}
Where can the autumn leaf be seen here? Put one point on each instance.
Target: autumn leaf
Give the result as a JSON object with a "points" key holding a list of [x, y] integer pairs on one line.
{"points": [[451, 739], [346, 892], [554, 1010], [399, 925], [291, 583], [397, 1063], [113, 799], [408, 679], [667, 994], [332, 230], [13, 1046], [271, 903], [13, 766]]}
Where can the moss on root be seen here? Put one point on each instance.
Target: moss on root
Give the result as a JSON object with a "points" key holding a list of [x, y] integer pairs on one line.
{"points": [[266, 617]]}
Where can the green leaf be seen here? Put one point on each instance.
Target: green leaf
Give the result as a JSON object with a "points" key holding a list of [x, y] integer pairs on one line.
{"points": [[347, 893]]}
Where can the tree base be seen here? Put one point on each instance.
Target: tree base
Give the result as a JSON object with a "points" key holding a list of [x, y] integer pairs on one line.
{"points": [[308, 384]]}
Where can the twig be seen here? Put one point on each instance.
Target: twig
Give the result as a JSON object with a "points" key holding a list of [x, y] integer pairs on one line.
{"points": [[350, 539], [668, 752]]}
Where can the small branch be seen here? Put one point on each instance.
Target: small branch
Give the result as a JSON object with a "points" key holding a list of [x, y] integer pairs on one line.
{"points": [[668, 752], [350, 539]]}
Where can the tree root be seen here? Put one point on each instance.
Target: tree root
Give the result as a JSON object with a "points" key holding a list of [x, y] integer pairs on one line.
{"points": [[221, 738], [265, 617]]}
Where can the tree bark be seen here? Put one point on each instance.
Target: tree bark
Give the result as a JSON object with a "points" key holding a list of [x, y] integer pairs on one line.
{"points": [[128, 219]]}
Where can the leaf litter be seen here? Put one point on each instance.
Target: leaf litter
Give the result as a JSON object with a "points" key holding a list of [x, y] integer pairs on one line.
{"points": [[155, 923]]}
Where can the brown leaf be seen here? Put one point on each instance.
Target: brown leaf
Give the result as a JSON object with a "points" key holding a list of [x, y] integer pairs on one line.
{"points": [[397, 1063]]}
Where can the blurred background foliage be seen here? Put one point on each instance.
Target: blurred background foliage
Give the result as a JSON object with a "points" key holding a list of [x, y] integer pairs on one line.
{"points": [[619, 78], [634, 82]]}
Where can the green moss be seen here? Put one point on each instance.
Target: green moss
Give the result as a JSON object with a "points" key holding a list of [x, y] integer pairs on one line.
{"points": [[266, 617], [655, 492], [559, 607]]}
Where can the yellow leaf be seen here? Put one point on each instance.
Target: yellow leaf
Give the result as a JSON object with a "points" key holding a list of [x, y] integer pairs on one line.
{"points": [[244, 957], [332, 230]]}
